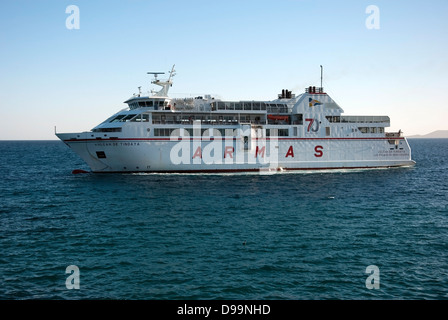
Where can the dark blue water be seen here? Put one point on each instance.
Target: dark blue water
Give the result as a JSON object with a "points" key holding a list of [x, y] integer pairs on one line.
{"points": [[282, 236]]}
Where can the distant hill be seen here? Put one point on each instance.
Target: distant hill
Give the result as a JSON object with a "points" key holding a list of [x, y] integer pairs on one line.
{"points": [[441, 134]]}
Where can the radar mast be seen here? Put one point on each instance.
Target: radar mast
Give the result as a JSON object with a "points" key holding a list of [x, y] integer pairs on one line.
{"points": [[164, 84]]}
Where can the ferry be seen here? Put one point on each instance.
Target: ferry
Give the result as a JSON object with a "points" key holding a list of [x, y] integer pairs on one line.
{"points": [[307, 131]]}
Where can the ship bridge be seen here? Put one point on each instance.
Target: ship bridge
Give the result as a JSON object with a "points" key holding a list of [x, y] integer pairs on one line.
{"points": [[152, 103]]}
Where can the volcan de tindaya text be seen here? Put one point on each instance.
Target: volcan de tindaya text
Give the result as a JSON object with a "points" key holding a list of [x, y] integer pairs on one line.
{"points": [[308, 131]]}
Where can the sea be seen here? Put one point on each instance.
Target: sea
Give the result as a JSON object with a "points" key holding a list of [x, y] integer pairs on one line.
{"points": [[379, 234]]}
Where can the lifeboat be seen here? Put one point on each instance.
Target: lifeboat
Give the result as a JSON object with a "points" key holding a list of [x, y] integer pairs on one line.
{"points": [[282, 118]]}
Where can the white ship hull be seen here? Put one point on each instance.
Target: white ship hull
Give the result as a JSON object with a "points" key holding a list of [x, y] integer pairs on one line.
{"points": [[230, 155]]}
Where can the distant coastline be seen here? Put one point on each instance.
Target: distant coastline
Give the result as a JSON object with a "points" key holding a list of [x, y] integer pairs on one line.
{"points": [[439, 134]]}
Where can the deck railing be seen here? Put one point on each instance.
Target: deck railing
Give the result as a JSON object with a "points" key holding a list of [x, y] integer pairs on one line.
{"points": [[365, 119]]}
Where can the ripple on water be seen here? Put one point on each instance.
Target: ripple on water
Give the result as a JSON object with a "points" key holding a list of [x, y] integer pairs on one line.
{"points": [[282, 236]]}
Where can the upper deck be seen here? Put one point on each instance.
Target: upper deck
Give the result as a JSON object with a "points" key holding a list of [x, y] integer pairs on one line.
{"points": [[312, 109]]}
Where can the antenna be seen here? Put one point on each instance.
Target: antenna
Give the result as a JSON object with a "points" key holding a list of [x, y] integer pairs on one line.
{"points": [[321, 73], [155, 75], [172, 73], [165, 84]]}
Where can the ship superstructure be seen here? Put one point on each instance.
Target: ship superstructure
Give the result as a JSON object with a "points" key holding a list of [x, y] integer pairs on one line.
{"points": [[308, 131]]}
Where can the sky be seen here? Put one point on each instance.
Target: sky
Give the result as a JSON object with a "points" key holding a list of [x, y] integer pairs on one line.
{"points": [[53, 75]]}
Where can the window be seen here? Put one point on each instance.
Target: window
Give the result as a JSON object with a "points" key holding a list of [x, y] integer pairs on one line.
{"points": [[140, 118], [298, 119], [327, 131], [101, 155], [163, 132], [137, 118], [128, 117], [277, 132], [142, 104], [333, 118], [363, 129], [117, 118], [155, 119], [295, 131], [246, 142], [107, 130]]}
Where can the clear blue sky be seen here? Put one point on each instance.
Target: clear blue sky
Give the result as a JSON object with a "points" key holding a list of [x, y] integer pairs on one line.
{"points": [[246, 49]]}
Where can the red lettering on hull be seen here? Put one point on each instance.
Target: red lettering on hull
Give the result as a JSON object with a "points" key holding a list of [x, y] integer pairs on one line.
{"points": [[319, 153], [228, 151], [198, 153], [260, 151], [290, 152]]}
